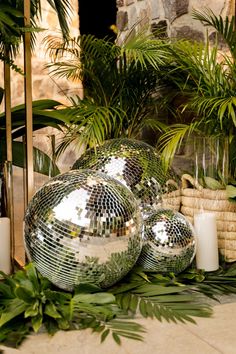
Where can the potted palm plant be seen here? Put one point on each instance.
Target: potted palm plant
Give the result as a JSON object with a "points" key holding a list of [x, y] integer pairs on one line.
{"points": [[202, 79], [120, 80], [202, 85]]}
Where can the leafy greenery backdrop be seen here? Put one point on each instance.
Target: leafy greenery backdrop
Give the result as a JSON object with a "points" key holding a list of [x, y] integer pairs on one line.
{"points": [[29, 302], [122, 94], [201, 82]]}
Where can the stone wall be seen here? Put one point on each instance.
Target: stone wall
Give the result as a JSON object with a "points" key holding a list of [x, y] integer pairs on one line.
{"points": [[175, 18], [173, 15], [44, 86]]}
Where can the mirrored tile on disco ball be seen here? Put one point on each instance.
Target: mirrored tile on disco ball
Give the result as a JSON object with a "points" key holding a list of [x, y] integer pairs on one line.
{"points": [[83, 226], [169, 243], [134, 163]]}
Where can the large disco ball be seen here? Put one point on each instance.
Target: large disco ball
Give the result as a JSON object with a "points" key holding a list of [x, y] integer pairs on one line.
{"points": [[169, 243], [83, 226], [134, 163]]}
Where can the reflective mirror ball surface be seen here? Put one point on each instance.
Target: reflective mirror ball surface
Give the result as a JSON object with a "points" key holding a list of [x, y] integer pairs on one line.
{"points": [[83, 226], [169, 243], [134, 163]]}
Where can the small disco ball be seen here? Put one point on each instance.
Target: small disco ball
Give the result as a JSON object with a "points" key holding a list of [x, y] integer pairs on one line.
{"points": [[169, 243], [134, 163], [83, 226]]}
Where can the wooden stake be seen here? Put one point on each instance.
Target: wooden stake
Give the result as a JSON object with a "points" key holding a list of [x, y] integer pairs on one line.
{"points": [[8, 175], [28, 107], [7, 88]]}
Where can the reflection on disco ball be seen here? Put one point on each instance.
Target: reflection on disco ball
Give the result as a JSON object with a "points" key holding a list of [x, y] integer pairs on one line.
{"points": [[169, 243], [83, 226], [134, 163]]}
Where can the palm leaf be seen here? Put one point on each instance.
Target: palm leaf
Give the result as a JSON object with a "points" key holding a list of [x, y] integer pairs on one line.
{"points": [[119, 328], [205, 88], [11, 24], [144, 50], [28, 300], [225, 27], [153, 299], [120, 78], [91, 125], [172, 139], [146, 122], [45, 112], [62, 9]]}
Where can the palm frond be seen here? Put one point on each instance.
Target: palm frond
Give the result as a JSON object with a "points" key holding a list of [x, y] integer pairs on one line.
{"points": [[205, 92], [122, 328], [42, 162], [99, 125], [11, 24], [45, 113], [145, 122], [90, 125], [221, 108], [144, 50], [63, 9], [225, 27], [153, 299], [122, 78], [172, 139]]}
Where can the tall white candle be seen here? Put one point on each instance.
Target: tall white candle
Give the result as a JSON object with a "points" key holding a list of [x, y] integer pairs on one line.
{"points": [[207, 256], [5, 245]]}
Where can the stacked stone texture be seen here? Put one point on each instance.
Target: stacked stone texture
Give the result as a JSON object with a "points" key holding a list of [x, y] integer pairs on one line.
{"points": [[44, 86], [172, 15]]}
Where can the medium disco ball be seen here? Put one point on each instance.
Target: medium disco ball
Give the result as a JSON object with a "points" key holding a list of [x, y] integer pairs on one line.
{"points": [[83, 226], [134, 163], [169, 243]]}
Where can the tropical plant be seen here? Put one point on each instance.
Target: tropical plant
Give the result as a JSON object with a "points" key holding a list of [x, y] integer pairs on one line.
{"points": [[120, 84], [12, 25], [29, 301], [44, 111], [202, 82]]}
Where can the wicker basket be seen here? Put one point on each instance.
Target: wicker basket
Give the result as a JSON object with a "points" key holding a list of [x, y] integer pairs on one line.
{"points": [[197, 199]]}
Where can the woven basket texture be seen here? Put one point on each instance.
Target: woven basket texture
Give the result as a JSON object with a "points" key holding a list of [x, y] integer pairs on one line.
{"points": [[196, 200]]}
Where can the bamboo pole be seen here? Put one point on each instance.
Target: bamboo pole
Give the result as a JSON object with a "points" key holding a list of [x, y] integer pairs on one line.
{"points": [[8, 174], [7, 88], [28, 106]]}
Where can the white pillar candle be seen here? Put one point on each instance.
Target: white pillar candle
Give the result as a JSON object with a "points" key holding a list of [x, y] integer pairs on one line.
{"points": [[5, 245], [207, 256]]}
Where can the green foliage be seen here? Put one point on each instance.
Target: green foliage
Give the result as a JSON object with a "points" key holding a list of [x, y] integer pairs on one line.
{"points": [[45, 113], [157, 296], [231, 192], [202, 83], [12, 25], [120, 85], [12, 29], [28, 301], [224, 26]]}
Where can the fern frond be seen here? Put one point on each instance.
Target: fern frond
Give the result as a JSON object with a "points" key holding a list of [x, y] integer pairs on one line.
{"points": [[225, 27]]}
